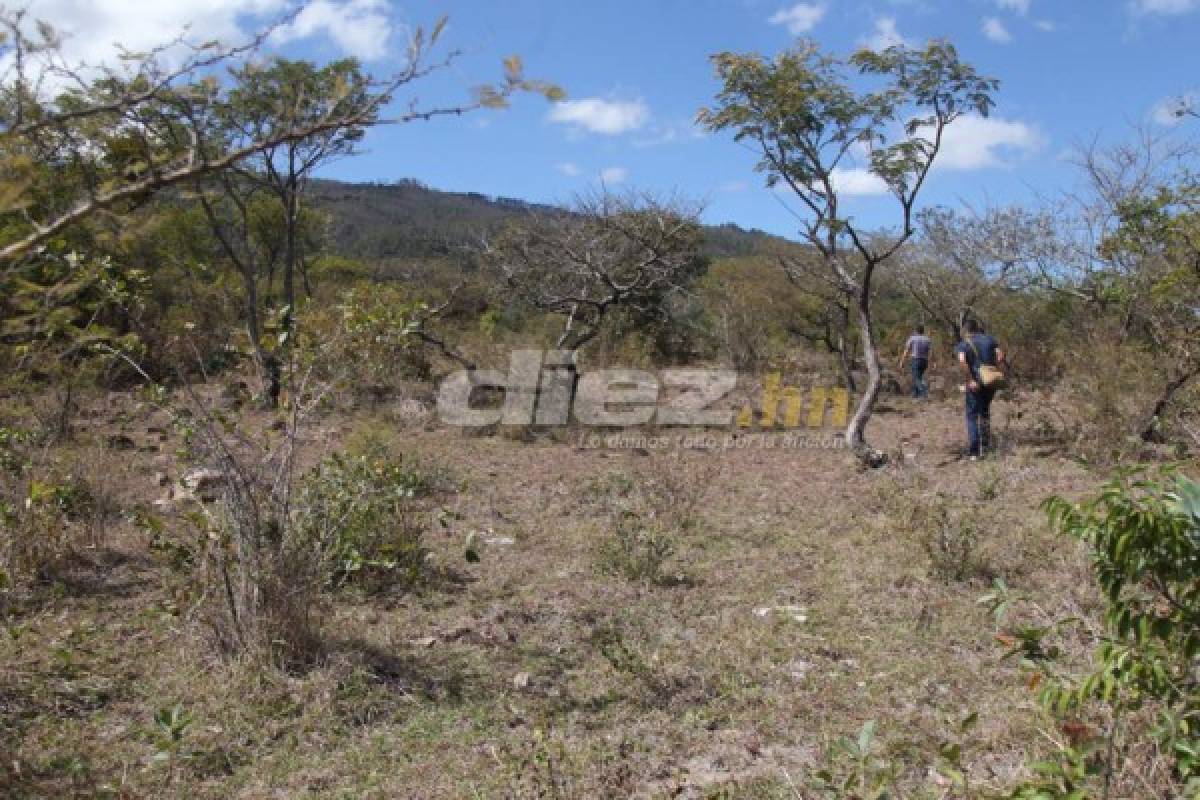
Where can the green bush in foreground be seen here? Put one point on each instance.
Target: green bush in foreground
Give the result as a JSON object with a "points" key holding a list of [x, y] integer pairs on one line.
{"points": [[1145, 539]]}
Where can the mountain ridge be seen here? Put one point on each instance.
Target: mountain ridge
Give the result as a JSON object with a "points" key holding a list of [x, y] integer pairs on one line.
{"points": [[408, 219]]}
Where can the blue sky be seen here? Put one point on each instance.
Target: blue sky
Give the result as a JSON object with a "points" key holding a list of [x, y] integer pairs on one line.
{"points": [[636, 73]]}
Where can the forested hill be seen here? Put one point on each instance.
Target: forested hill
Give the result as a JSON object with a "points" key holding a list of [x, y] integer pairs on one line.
{"points": [[406, 219]]}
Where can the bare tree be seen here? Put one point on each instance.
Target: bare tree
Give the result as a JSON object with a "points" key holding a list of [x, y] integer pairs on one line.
{"points": [[1134, 252], [962, 260], [628, 252]]}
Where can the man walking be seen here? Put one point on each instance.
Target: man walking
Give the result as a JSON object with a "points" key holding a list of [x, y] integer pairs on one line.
{"points": [[975, 351], [919, 348]]}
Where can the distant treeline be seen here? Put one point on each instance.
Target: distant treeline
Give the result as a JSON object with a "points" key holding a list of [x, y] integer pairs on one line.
{"points": [[407, 219]]}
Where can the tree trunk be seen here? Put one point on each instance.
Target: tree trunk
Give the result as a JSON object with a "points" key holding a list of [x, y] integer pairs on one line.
{"points": [[557, 384], [961, 323], [66, 407], [290, 202], [289, 253], [267, 364], [1150, 431], [297, 244], [845, 359], [855, 430]]}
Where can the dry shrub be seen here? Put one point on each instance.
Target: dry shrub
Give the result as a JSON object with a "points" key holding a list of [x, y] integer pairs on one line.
{"points": [[272, 540], [647, 513], [951, 538], [952, 531], [548, 764], [1109, 391], [670, 493]]}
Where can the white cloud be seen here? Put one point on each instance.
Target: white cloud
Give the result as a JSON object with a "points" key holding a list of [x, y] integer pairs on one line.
{"points": [[361, 28], [857, 182], [661, 132], [1165, 7], [733, 187], [994, 29], [611, 175], [91, 30], [1045, 25], [800, 18], [848, 182], [1167, 111], [884, 36], [1019, 6], [969, 143], [567, 168], [975, 142], [596, 115]]}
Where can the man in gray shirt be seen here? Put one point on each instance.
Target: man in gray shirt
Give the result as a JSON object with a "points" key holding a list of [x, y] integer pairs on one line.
{"points": [[918, 348]]}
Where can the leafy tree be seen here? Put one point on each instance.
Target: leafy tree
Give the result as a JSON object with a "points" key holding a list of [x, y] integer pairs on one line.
{"points": [[52, 318], [289, 95], [252, 236], [807, 122], [78, 163], [751, 311]]}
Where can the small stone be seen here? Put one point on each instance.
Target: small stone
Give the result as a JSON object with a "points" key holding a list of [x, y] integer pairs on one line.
{"points": [[167, 501], [798, 669], [202, 481], [521, 680]]}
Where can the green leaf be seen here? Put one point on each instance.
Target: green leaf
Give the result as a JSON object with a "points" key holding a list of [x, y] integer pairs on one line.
{"points": [[866, 736]]}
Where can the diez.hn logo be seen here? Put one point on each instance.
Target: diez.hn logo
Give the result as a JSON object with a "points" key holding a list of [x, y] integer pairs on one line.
{"points": [[545, 389]]}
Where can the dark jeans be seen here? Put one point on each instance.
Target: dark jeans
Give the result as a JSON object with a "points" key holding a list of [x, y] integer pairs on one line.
{"points": [[920, 388], [979, 420]]}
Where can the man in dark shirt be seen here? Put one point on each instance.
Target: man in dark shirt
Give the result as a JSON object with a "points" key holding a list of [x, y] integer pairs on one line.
{"points": [[919, 348], [976, 349]]}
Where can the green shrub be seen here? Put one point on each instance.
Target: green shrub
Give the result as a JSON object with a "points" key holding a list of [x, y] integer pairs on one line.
{"points": [[14, 457], [1144, 534], [951, 536], [636, 551], [369, 340], [361, 507], [51, 506]]}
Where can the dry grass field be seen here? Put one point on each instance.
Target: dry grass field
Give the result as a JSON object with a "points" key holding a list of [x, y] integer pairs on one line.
{"points": [[695, 622]]}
